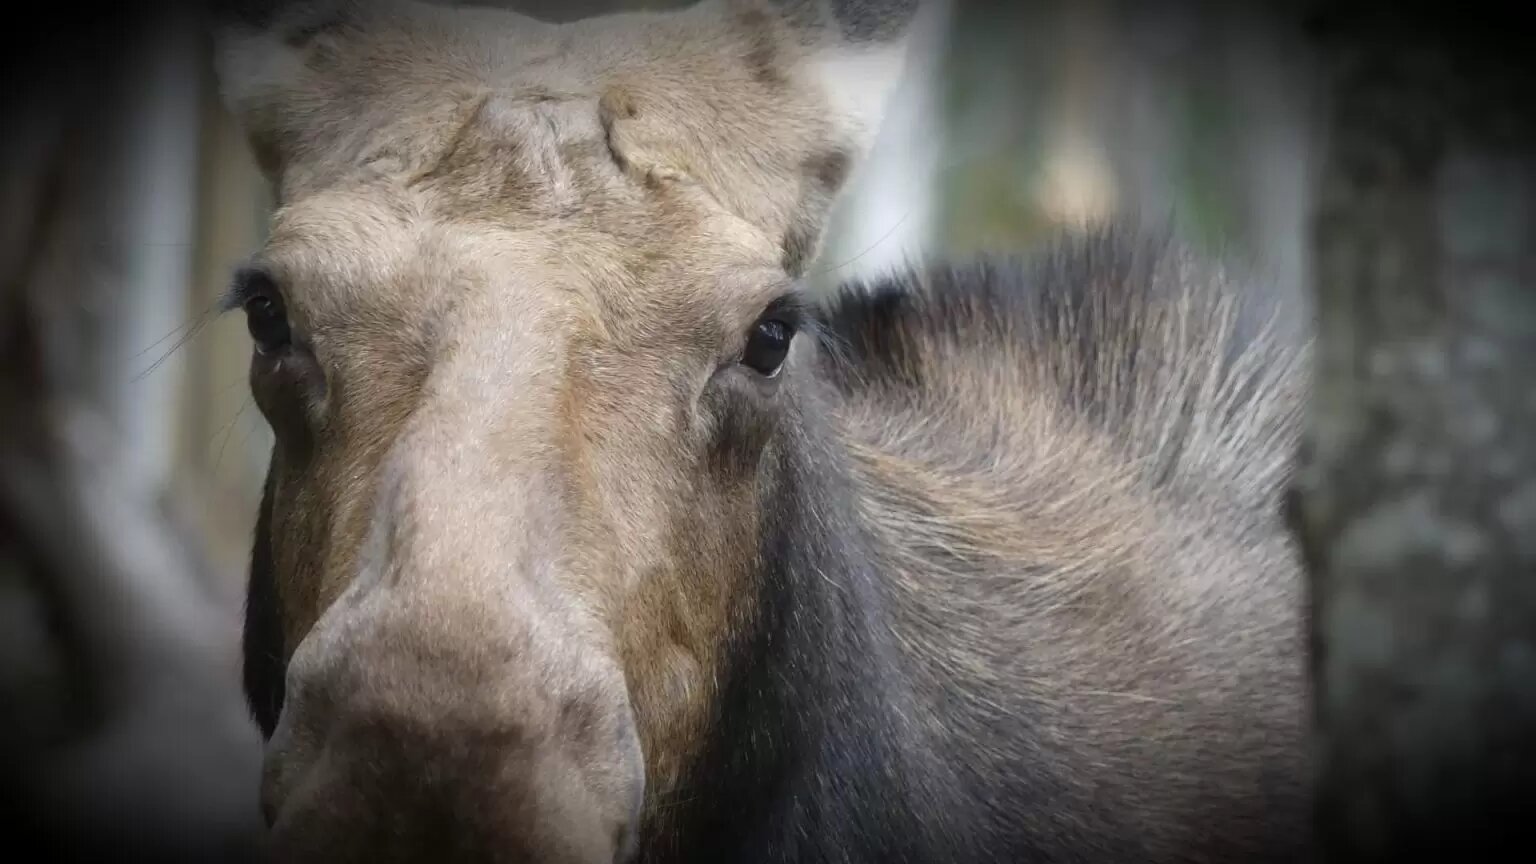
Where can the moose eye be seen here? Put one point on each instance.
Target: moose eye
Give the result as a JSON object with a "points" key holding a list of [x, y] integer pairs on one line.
{"points": [[267, 322], [767, 346]]}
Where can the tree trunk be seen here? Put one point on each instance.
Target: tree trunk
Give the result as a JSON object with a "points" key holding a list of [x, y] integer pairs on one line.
{"points": [[1416, 503]]}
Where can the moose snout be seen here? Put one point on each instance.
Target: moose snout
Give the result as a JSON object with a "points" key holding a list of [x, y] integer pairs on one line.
{"points": [[401, 743]]}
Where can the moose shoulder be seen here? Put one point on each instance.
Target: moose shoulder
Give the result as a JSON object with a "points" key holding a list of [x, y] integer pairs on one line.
{"points": [[589, 537]]}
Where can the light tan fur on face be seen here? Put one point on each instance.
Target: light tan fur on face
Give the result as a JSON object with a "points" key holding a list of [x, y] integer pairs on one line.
{"points": [[512, 254]]}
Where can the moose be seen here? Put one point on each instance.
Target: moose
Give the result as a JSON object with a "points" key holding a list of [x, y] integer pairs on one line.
{"points": [[590, 534]]}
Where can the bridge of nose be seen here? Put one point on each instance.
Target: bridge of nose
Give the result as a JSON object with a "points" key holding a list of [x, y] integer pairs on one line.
{"points": [[458, 660]]}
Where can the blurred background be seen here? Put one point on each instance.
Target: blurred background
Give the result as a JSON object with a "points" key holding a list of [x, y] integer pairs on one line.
{"points": [[129, 197]]}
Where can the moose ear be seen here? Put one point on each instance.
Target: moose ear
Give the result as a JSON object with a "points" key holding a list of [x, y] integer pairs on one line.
{"points": [[260, 60], [767, 104], [859, 51]]}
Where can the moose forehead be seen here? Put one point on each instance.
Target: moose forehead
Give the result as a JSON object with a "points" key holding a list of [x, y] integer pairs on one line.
{"points": [[690, 140], [526, 196], [529, 219]]}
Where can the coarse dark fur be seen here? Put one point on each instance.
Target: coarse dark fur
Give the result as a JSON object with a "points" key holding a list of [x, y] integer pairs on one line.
{"points": [[1003, 479]]}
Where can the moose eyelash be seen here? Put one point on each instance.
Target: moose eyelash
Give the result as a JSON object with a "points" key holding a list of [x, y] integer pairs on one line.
{"points": [[246, 283], [792, 307]]}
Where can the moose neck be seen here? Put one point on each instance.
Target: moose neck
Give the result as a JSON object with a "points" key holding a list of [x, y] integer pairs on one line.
{"points": [[810, 756]]}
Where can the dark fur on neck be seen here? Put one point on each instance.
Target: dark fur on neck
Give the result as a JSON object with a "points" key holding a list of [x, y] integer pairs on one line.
{"points": [[809, 759]]}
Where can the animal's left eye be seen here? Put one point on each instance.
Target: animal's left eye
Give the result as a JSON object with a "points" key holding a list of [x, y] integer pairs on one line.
{"points": [[268, 322], [768, 345]]}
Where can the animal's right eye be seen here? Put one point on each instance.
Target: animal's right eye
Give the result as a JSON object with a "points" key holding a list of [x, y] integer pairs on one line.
{"points": [[768, 346], [267, 321]]}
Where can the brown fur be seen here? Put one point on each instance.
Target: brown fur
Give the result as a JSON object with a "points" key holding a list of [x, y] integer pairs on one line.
{"points": [[512, 508]]}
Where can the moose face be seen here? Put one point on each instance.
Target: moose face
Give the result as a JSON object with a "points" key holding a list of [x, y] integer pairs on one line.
{"points": [[525, 328]]}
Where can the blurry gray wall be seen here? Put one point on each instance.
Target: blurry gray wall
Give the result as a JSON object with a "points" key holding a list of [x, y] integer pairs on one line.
{"points": [[123, 731]]}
